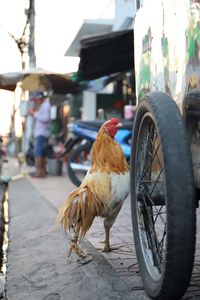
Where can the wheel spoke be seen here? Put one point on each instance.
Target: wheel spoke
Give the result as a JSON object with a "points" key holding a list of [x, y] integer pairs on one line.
{"points": [[154, 244], [150, 187], [145, 171], [156, 181]]}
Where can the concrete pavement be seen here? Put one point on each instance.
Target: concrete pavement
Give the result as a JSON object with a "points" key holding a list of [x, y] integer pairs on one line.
{"points": [[56, 189], [38, 267]]}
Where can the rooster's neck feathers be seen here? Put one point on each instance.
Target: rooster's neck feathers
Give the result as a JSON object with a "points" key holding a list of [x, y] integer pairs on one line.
{"points": [[107, 155]]}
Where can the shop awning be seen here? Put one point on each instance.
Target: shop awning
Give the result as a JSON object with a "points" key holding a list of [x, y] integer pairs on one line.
{"points": [[37, 79], [106, 54]]}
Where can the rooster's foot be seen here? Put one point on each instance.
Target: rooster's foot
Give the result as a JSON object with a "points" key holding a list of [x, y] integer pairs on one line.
{"points": [[102, 242], [74, 247], [108, 248], [105, 249]]}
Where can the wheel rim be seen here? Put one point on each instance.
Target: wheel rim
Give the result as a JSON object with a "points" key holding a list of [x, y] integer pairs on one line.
{"points": [[151, 197]]}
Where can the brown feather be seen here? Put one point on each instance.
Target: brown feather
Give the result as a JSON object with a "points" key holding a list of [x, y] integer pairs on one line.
{"points": [[107, 155], [81, 207], [73, 211]]}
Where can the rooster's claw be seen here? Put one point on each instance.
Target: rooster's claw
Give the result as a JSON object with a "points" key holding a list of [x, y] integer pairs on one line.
{"points": [[74, 247]]}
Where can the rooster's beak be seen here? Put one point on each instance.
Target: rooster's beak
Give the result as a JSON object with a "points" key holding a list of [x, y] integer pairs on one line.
{"points": [[119, 125]]}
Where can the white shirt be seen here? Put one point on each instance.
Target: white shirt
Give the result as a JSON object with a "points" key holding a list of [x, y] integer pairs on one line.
{"points": [[43, 120]]}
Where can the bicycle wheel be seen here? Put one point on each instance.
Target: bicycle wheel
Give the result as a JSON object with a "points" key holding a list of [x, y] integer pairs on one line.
{"points": [[79, 163], [162, 198]]}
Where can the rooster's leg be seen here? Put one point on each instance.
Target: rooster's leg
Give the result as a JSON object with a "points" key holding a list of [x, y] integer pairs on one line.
{"points": [[107, 247], [74, 245], [108, 222]]}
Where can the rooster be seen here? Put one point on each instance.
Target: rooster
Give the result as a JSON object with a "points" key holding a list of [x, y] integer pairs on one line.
{"points": [[102, 192]]}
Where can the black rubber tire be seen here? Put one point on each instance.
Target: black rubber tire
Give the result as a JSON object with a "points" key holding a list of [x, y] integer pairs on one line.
{"points": [[76, 153], [174, 271]]}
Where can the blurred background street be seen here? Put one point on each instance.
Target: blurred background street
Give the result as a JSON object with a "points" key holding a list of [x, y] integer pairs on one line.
{"points": [[69, 66], [46, 50]]}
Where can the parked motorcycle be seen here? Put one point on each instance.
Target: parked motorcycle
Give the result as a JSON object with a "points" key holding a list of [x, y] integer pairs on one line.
{"points": [[80, 143]]}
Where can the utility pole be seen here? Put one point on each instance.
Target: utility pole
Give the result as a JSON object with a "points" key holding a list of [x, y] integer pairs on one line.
{"points": [[27, 39], [31, 44], [26, 43], [32, 64]]}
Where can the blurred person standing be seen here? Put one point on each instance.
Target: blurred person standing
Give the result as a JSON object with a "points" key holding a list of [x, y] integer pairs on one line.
{"points": [[42, 117]]}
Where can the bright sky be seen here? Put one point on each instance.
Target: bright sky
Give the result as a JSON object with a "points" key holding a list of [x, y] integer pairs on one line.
{"points": [[61, 20], [56, 24]]}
